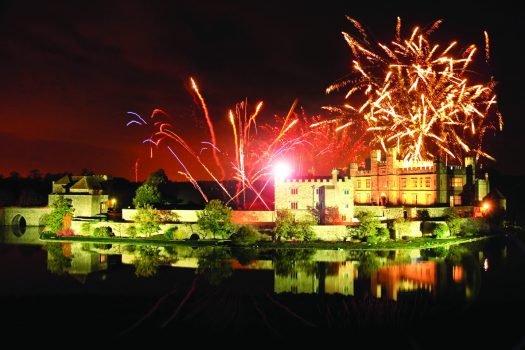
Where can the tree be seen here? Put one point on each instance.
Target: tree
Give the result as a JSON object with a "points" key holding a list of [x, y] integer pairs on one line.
{"points": [[149, 219], [453, 221], [157, 178], [369, 224], [87, 172], [30, 198], [288, 227], [146, 195], [217, 219], [35, 174], [61, 207]]}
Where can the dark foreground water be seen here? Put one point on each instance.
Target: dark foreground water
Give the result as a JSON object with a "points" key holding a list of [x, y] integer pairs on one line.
{"points": [[467, 296]]}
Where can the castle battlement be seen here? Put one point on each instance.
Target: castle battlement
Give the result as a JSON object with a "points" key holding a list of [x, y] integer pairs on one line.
{"points": [[412, 170], [345, 179]]}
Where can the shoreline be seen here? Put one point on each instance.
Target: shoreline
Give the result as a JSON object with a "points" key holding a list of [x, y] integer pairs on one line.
{"points": [[416, 243]]}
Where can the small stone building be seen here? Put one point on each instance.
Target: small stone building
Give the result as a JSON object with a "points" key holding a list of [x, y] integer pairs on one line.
{"points": [[85, 193]]}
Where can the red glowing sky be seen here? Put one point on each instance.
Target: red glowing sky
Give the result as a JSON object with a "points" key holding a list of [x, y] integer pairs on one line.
{"points": [[70, 72]]}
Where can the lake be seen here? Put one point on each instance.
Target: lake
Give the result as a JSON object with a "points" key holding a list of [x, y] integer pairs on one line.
{"points": [[412, 298]]}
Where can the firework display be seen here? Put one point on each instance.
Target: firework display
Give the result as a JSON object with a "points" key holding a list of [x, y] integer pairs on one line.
{"points": [[256, 150], [417, 96]]}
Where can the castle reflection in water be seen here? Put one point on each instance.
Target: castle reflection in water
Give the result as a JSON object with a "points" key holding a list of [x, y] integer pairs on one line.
{"points": [[382, 274], [385, 275]]}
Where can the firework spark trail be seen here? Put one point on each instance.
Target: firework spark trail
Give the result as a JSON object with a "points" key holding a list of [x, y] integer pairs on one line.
{"points": [[188, 175], [138, 116], [416, 98], [255, 151], [210, 124]]}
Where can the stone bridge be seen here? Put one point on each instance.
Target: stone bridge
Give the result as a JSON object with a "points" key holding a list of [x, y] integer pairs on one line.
{"points": [[20, 216]]}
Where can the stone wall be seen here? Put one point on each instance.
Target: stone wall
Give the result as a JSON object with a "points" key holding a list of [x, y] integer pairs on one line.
{"points": [[380, 211], [120, 229], [253, 217], [330, 232], [183, 215], [85, 205], [238, 216]]}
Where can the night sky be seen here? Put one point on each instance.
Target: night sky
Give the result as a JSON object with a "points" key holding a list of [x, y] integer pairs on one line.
{"points": [[70, 70]]}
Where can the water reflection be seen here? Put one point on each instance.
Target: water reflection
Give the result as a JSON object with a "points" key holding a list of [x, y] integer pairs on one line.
{"points": [[390, 275], [441, 272], [262, 291]]}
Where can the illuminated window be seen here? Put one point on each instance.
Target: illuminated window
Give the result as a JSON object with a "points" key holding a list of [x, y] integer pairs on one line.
{"points": [[367, 183], [414, 181], [429, 198], [343, 218], [294, 205], [346, 192], [403, 182], [358, 183], [414, 198], [456, 182], [316, 191], [368, 198], [457, 200], [420, 182], [294, 190], [427, 181]]}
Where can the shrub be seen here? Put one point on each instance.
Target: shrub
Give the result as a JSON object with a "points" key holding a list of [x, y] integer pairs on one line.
{"points": [[423, 215], [245, 235], [65, 232], [86, 228], [352, 232], [103, 231], [131, 231], [372, 239], [474, 227], [173, 233], [383, 234], [440, 230]]}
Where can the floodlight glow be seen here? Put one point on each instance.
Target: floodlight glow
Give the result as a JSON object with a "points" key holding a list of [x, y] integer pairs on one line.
{"points": [[282, 170]]}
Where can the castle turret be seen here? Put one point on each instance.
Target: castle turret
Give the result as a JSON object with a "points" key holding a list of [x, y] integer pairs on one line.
{"points": [[335, 172], [470, 162], [353, 169]]}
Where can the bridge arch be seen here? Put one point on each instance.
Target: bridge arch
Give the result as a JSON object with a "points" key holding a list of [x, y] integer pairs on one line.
{"points": [[19, 224]]}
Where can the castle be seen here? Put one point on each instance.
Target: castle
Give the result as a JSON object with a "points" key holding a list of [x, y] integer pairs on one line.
{"points": [[385, 181]]}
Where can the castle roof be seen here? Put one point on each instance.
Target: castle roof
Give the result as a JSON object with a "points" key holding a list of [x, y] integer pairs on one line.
{"points": [[87, 183], [67, 179]]}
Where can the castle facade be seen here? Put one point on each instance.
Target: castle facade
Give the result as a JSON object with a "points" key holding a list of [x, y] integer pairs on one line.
{"points": [[384, 180]]}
